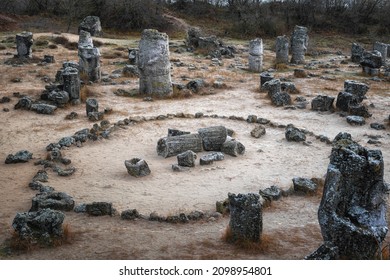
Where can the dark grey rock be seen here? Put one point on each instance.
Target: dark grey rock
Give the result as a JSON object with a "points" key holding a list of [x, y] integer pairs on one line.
{"points": [[358, 89], [359, 110], [258, 131], [352, 212], [281, 49], [130, 214], [59, 97], [175, 219], [322, 103], [53, 200], [377, 126], [133, 56], [42, 108], [304, 185], [196, 215], [24, 103], [137, 167], [233, 148], [299, 44], [265, 77], [130, 71], [176, 132], [271, 193], [211, 157], [273, 86], [91, 105], [356, 120], [294, 134], [41, 176], [289, 87], [64, 172], [281, 99], [344, 99], [82, 135], [19, 157], [246, 221], [251, 119], [71, 82], [100, 209], [326, 251], [92, 25], [95, 116], [196, 85], [356, 52], [24, 42], [371, 59], [66, 141], [81, 208], [186, 158], [179, 168], [213, 137]]}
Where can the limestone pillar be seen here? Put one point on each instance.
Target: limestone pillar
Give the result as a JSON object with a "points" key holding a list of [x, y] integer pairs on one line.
{"points": [[281, 47], [154, 64], [382, 48], [71, 81], [89, 61], [24, 43], [256, 55], [299, 43]]}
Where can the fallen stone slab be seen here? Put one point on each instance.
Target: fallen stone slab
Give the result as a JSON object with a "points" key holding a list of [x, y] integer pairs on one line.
{"points": [[304, 185], [53, 200], [174, 145], [294, 134], [100, 209], [211, 157]]}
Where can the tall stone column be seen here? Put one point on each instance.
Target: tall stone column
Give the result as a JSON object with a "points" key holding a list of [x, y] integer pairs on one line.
{"points": [[282, 46], [71, 81], [154, 64], [24, 42], [89, 57], [382, 48], [299, 43], [256, 55], [356, 52]]}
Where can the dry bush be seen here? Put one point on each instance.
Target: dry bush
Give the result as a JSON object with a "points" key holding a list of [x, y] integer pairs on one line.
{"points": [[72, 46], [281, 66], [113, 55], [97, 43], [2, 47], [60, 40], [264, 243], [86, 92], [52, 46]]}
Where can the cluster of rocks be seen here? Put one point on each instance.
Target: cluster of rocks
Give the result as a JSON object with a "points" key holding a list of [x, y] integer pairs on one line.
{"points": [[352, 213], [275, 93], [371, 61], [298, 45]]}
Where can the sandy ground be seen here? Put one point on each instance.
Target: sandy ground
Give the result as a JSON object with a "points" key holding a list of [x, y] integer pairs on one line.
{"points": [[291, 229]]}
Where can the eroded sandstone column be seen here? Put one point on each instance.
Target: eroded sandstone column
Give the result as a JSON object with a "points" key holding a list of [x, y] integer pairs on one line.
{"points": [[382, 48], [281, 47], [256, 55], [71, 81], [299, 43], [154, 64], [24, 42], [89, 61]]}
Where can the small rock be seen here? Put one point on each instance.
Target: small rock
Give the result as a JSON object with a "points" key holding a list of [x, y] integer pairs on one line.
{"points": [[304, 185], [211, 157], [258, 131], [19, 157], [130, 214], [294, 134], [356, 120], [377, 126], [137, 167], [100, 209]]}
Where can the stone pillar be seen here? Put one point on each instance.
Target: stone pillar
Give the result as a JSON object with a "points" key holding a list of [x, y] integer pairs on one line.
{"points": [[133, 56], [85, 39], [256, 55], [265, 77], [154, 64], [382, 48], [281, 47], [246, 221], [299, 43], [92, 25], [71, 81], [24, 43], [89, 61], [356, 52], [371, 62]]}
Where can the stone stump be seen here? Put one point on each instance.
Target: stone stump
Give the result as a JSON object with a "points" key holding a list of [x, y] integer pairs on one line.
{"points": [[256, 55], [186, 159], [154, 64], [265, 77], [24, 42], [246, 221], [356, 53], [133, 56], [282, 47], [299, 43], [174, 145], [92, 25], [322, 103], [91, 105], [71, 82], [89, 62], [213, 137], [371, 62], [273, 86], [352, 212], [85, 39], [137, 167], [382, 48], [358, 89]]}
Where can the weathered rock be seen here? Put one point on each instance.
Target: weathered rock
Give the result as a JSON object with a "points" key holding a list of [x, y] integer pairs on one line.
{"points": [[195, 215], [42, 108], [92, 25], [196, 85], [53, 200], [130, 71], [281, 99], [38, 186], [256, 55], [344, 99], [213, 137], [193, 34], [66, 141], [71, 82], [289, 87], [258, 131], [271, 193], [356, 120], [377, 126], [24, 103], [133, 56], [186, 158], [175, 219], [382, 48], [64, 172], [81, 135], [59, 97], [179, 168], [24, 42], [174, 145], [176, 132], [300, 73], [89, 63], [352, 213], [251, 119], [326, 251], [357, 53], [246, 221], [359, 110], [85, 39], [48, 58], [154, 64], [282, 47], [137, 167], [95, 116], [371, 59], [294, 134], [100, 209], [273, 86], [130, 214], [265, 77], [41, 176], [233, 148], [358, 89], [43, 225], [80, 208], [211, 157], [322, 103], [304, 185], [299, 43], [19, 157], [91, 105]]}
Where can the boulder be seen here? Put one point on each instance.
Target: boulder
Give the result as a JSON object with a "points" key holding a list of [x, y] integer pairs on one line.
{"points": [[186, 159], [352, 212], [371, 59], [356, 120], [271, 193], [294, 134], [100, 209], [233, 148], [359, 110], [137, 167], [281, 99], [322, 103], [358, 89], [211, 157], [344, 99], [92, 25], [59, 97], [53, 200], [304, 185], [42, 108]]}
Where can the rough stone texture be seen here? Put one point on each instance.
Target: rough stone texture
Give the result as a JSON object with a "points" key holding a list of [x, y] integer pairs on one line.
{"points": [[89, 63], [256, 55], [42, 108], [43, 225], [356, 120], [213, 137], [24, 42], [137, 167], [358, 89], [304, 185], [273, 86], [282, 47], [176, 132], [193, 34], [356, 52], [41, 176], [48, 58], [186, 159], [59, 97], [246, 221], [359, 110], [196, 85], [233, 148], [24, 103], [71, 82], [377, 126], [211, 157], [299, 43], [281, 99], [133, 55], [92, 25], [344, 99], [85, 39], [371, 59], [294, 134], [289, 87], [91, 105], [322, 103], [172, 146], [130, 71], [19, 157], [258, 131], [154, 64], [179, 168], [271, 193], [53, 200], [66, 141], [100, 209], [326, 251], [265, 77], [352, 212], [130, 214], [382, 48]]}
